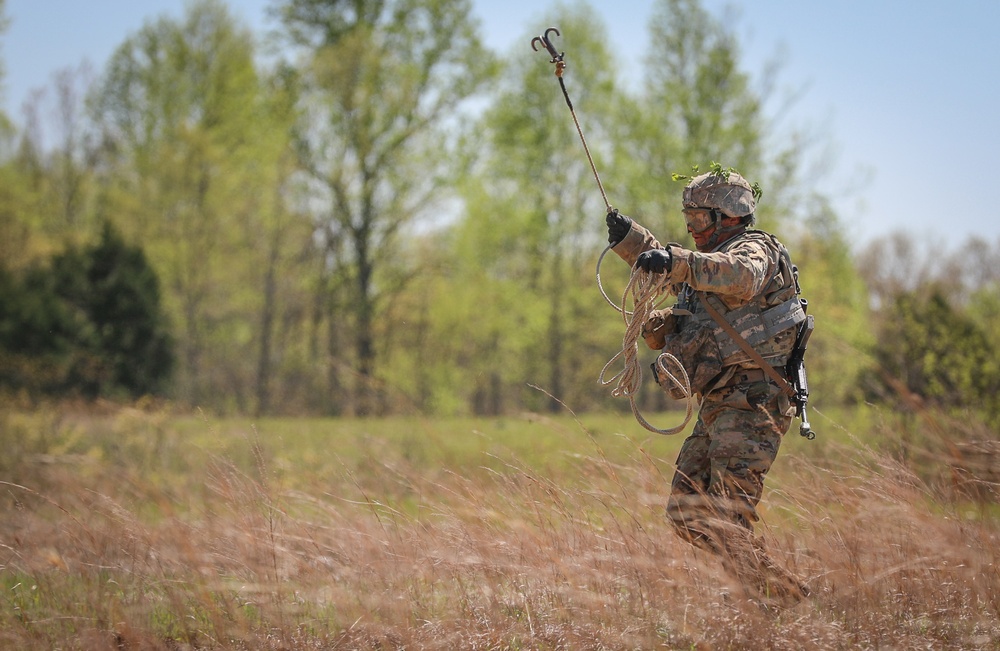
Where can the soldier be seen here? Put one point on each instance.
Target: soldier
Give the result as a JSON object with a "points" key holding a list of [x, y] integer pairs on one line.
{"points": [[747, 277]]}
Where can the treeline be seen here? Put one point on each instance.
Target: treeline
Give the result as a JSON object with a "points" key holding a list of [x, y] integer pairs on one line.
{"points": [[388, 217], [936, 325]]}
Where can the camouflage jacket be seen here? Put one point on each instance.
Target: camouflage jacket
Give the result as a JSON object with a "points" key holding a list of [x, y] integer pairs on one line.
{"points": [[749, 279]]}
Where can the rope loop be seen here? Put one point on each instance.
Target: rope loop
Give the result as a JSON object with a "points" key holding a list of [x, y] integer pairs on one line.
{"points": [[645, 289]]}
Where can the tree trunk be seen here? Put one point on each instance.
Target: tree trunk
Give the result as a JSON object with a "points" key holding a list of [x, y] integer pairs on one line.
{"points": [[556, 335], [266, 331], [364, 339]]}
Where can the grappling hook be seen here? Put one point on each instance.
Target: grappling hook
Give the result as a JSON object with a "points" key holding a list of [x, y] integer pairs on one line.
{"points": [[557, 58]]}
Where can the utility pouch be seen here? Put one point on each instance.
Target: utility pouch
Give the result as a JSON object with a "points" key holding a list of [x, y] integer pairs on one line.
{"points": [[697, 349], [659, 325]]}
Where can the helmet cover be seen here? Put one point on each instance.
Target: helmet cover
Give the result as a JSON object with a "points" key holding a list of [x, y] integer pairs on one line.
{"points": [[729, 193]]}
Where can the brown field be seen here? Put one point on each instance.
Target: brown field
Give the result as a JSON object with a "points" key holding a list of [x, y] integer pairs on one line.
{"points": [[138, 529]]}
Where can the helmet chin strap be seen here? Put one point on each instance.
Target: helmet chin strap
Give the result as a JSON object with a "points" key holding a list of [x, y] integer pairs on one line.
{"points": [[720, 235], [713, 240]]}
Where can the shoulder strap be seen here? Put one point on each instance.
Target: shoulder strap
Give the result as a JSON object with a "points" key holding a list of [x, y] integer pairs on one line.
{"points": [[746, 347]]}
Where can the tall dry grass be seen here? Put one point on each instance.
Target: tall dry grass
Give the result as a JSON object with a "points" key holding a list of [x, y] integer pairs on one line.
{"points": [[115, 550]]}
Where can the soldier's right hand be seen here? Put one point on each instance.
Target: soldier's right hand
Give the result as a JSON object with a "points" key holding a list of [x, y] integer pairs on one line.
{"points": [[618, 226]]}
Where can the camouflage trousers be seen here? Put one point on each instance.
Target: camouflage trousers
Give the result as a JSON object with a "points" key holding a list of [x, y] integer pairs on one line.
{"points": [[720, 478]]}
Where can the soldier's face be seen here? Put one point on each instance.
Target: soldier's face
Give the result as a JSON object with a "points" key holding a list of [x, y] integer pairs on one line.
{"points": [[701, 224], [701, 238]]}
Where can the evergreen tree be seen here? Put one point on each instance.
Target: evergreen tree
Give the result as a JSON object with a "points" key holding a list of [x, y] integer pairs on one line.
{"points": [[89, 323], [126, 342], [936, 354], [37, 332]]}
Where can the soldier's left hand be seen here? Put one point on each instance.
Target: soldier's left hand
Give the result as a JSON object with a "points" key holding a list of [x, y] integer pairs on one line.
{"points": [[656, 261]]}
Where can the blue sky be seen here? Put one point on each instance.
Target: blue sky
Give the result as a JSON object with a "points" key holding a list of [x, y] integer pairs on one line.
{"points": [[902, 96]]}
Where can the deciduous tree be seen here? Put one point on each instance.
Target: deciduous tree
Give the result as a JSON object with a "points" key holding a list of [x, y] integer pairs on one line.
{"points": [[198, 170], [384, 81]]}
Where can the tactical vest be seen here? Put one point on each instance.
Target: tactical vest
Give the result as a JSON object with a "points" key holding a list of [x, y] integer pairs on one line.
{"points": [[768, 321]]}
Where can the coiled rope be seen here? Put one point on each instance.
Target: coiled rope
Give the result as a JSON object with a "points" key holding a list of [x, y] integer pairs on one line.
{"points": [[645, 289]]}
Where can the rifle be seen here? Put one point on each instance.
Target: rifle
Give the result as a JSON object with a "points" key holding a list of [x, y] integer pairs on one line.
{"points": [[795, 370]]}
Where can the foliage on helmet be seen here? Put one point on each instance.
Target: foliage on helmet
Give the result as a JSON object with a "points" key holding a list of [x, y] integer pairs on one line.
{"points": [[723, 188]]}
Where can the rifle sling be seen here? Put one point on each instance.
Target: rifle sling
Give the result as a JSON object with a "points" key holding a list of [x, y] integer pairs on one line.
{"points": [[782, 383]]}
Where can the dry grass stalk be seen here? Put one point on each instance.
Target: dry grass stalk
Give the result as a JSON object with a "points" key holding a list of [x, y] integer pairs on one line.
{"points": [[393, 555]]}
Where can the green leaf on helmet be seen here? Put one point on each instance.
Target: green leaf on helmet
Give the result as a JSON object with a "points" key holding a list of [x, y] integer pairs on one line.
{"points": [[719, 170]]}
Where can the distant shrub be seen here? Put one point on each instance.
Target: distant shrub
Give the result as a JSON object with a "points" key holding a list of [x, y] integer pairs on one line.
{"points": [[938, 355], [89, 323]]}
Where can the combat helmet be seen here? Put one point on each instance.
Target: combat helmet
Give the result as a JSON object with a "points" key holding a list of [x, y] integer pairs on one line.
{"points": [[727, 192]]}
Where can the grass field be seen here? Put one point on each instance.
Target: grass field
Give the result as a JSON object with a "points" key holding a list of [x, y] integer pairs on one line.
{"points": [[142, 529]]}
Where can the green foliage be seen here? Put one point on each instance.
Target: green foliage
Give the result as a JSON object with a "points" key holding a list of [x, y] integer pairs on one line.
{"points": [[38, 332], [340, 234], [839, 350], [694, 104], [530, 210], [317, 23], [382, 84], [936, 323], [113, 286], [928, 349], [90, 323], [718, 170], [984, 310], [697, 89], [200, 168]]}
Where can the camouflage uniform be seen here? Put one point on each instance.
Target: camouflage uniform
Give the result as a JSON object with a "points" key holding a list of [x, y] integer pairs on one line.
{"points": [[744, 414]]}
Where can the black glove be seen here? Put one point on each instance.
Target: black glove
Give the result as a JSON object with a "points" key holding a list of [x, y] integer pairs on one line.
{"points": [[656, 261], [618, 226]]}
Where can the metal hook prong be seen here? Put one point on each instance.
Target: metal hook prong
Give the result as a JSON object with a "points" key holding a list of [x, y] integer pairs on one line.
{"points": [[547, 43]]}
